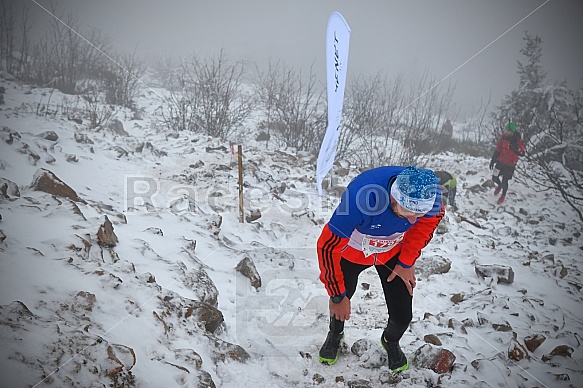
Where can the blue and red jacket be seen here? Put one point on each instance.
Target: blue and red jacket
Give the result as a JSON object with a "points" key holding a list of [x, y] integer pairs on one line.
{"points": [[364, 229]]}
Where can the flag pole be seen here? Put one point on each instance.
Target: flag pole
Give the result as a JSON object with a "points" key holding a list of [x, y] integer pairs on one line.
{"points": [[240, 165]]}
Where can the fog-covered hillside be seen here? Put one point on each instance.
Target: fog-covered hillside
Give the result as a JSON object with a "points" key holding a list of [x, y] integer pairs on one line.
{"points": [[123, 263]]}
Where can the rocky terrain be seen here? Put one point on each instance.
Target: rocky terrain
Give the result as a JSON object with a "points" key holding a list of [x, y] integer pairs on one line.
{"points": [[123, 263]]}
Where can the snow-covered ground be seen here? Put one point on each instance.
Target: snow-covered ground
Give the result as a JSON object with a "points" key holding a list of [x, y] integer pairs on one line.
{"points": [[77, 313]]}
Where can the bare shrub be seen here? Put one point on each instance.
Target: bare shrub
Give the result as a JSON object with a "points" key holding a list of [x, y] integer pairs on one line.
{"points": [[429, 105], [122, 80], [7, 38], [293, 106], [370, 121], [64, 58], [99, 114], [206, 95]]}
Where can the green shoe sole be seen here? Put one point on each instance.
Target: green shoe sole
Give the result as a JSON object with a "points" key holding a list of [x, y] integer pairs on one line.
{"points": [[329, 361], [401, 368]]}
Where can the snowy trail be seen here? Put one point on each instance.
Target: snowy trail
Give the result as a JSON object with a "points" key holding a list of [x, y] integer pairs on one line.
{"points": [[85, 310]]}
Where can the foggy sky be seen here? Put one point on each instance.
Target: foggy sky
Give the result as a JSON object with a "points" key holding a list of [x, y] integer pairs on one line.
{"points": [[395, 37]]}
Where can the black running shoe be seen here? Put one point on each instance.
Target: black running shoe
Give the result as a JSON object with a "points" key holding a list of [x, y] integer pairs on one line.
{"points": [[330, 349], [397, 360]]}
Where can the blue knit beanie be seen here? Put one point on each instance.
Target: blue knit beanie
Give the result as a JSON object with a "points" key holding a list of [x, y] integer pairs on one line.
{"points": [[415, 189]]}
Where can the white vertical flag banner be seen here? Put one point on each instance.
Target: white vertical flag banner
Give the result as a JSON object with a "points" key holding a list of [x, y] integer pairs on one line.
{"points": [[337, 37]]}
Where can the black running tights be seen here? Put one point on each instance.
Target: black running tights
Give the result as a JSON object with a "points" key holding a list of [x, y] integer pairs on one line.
{"points": [[399, 302], [503, 183]]}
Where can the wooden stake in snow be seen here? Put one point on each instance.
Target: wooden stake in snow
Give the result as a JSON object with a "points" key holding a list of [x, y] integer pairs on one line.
{"points": [[240, 164]]}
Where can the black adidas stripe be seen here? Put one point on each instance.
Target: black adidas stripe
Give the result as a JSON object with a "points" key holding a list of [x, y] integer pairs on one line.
{"points": [[328, 262]]}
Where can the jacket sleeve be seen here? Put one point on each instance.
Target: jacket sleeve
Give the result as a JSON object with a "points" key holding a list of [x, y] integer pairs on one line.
{"points": [[418, 237], [330, 248], [499, 144], [495, 157], [520, 149], [498, 149]]}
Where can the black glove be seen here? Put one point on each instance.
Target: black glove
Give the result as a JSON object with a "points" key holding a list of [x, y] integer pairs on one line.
{"points": [[494, 159]]}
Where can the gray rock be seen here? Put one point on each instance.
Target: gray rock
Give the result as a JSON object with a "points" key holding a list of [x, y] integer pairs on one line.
{"points": [[438, 360], [253, 216], [210, 316], [116, 127], [432, 265], [82, 138], [502, 273], [360, 347], [432, 339], [45, 180], [532, 342], [105, 235], [8, 189], [49, 135], [247, 268]]}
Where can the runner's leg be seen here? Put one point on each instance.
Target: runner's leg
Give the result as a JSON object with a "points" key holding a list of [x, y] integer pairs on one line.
{"points": [[350, 271], [399, 302]]}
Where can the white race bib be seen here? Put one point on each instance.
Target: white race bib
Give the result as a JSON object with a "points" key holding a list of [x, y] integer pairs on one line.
{"points": [[372, 245]]}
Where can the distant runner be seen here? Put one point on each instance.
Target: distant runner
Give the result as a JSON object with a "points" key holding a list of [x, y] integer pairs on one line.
{"points": [[448, 185], [505, 158]]}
